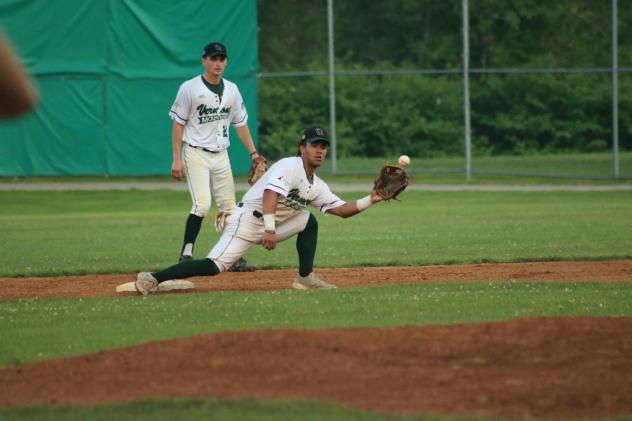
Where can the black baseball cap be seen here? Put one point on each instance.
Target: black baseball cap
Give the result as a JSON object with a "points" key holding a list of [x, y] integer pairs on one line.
{"points": [[214, 49], [315, 134]]}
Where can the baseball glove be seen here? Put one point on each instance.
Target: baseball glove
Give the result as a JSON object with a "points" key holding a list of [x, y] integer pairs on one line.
{"points": [[220, 220], [391, 181], [258, 167]]}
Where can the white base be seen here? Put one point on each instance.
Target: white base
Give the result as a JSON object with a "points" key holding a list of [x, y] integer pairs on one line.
{"points": [[162, 287]]}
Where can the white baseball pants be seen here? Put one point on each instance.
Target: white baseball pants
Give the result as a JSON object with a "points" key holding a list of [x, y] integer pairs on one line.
{"points": [[243, 230], [208, 173]]}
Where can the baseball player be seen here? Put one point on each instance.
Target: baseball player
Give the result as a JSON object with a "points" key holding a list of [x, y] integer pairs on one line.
{"points": [[202, 112], [273, 210]]}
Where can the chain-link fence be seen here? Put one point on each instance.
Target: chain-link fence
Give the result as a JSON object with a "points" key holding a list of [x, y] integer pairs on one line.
{"points": [[506, 88]]}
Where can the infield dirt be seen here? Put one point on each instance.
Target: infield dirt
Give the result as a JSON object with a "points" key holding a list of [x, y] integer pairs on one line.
{"points": [[105, 285], [542, 367]]}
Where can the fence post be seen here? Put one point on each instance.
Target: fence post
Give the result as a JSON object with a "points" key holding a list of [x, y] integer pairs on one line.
{"points": [[332, 85], [466, 91], [615, 93]]}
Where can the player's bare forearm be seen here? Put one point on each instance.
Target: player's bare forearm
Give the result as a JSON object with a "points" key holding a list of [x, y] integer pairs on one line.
{"points": [[177, 133], [270, 199], [244, 135], [177, 169], [350, 209], [347, 210]]}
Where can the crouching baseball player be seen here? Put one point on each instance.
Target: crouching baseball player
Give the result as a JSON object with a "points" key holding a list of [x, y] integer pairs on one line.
{"points": [[273, 210]]}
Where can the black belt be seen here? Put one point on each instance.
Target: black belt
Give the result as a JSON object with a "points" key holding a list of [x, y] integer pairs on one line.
{"points": [[255, 213], [204, 149]]}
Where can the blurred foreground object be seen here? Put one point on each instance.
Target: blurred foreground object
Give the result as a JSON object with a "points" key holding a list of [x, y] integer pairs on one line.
{"points": [[17, 93]]}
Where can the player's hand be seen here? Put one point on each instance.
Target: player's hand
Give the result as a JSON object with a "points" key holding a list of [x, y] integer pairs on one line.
{"points": [[269, 240], [375, 196], [177, 169]]}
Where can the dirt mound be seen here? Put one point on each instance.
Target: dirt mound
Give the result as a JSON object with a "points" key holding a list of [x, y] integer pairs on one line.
{"points": [[545, 367], [105, 285]]}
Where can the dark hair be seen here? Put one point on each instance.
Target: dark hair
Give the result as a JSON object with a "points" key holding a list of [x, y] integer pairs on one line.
{"points": [[301, 142]]}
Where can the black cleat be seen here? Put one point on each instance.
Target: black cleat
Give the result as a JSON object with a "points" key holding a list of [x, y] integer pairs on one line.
{"points": [[185, 257], [242, 266]]}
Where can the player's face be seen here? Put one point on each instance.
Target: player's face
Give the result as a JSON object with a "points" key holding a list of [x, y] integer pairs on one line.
{"points": [[314, 153], [215, 65]]}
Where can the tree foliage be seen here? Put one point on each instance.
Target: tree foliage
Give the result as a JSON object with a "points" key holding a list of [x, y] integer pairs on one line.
{"points": [[378, 115]]}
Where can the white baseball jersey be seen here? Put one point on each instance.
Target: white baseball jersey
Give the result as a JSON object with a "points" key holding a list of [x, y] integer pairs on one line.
{"points": [[205, 116], [288, 178]]}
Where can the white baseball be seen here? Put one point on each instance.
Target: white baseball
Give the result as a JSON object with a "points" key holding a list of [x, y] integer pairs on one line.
{"points": [[404, 160]]}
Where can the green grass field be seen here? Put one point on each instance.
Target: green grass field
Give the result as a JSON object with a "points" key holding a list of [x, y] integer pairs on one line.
{"points": [[241, 410], [76, 326], [79, 232], [46, 233], [592, 168], [53, 328]]}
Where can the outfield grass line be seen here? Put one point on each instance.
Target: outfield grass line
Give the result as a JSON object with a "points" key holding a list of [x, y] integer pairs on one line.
{"points": [[340, 187]]}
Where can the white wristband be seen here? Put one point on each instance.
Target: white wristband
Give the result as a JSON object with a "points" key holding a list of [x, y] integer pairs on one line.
{"points": [[268, 222], [364, 203]]}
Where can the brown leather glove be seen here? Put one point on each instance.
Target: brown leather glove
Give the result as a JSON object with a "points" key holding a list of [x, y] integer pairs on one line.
{"points": [[391, 182], [258, 167]]}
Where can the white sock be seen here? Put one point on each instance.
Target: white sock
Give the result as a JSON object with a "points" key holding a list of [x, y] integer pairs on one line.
{"points": [[188, 250]]}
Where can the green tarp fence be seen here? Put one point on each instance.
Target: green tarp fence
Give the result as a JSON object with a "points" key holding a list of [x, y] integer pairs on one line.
{"points": [[108, 71]]}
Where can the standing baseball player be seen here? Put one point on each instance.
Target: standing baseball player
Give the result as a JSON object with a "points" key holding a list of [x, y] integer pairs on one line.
{"points": [[202, 112], [273, 210]]}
